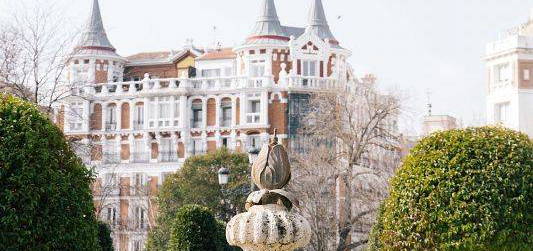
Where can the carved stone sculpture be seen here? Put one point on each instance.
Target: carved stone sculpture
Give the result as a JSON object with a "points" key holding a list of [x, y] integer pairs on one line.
{"points": [[270, 223]]}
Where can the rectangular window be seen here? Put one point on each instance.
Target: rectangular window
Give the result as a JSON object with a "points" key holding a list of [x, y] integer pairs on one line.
{"points": [[503, 72], [255, 106], [139, 154], [196, 115], [164, 112], [226, 113], [527, 74], [309, 68], [228, 71], [210, 73], [502, 113], [138, 121], [76, 116], [257, 68], [140, 216], [167, 152], [197, 147], [225, 142], [254, 111], [254, 141]]}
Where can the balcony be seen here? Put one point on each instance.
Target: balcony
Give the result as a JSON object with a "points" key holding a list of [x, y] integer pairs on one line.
{"points": [[140, 157], [131, 225], [253, 118], [168, 156], [111, 158], [110, 126]]}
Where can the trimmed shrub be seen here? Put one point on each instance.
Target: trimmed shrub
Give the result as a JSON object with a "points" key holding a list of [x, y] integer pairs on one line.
{"points": [[465, 189], [195, 228], [104, 237], [45, 196], [196, 182]]}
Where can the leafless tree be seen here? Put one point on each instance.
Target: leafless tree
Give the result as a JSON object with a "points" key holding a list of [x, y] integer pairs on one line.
{"points": [[352, 149], [35, 47]]}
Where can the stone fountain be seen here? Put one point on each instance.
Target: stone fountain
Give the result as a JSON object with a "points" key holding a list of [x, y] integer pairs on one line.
{"points": [[270, 223]]}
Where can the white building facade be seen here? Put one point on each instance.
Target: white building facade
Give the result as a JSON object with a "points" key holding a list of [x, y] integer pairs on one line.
{"points": [[510, 79], [140, 117]]}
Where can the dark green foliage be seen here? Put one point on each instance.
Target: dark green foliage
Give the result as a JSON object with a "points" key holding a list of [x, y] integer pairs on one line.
{"points": [[195, 228], [196, 182], [45, 195], [104, 237], [466, 189]]}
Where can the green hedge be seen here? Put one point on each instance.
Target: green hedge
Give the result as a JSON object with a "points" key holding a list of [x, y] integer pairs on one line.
{"points": [[104, 237], [45, 196], [195, 228], [461, 190]]}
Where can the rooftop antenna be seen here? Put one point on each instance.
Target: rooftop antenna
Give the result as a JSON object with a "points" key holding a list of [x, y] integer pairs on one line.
{"points": [[429, 105], [215, 43]]}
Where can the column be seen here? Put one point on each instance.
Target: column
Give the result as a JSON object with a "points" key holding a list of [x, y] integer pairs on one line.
{"points": [[174, 146], [184, 113], [264, 108], [119, 116], [133, 114], [204, 112], [131, 142], [104, 115], [218, 111], [234, 111], [244, 108], [146, 113]]}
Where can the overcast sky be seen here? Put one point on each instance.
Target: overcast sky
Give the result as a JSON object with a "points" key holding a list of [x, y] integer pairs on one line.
{"points": [[412, 45]]}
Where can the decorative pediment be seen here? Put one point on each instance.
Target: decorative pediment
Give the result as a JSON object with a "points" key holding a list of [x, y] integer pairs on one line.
{"points": [[309, 44]]}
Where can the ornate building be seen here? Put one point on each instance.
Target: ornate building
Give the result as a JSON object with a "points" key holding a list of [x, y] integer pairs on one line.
{"points": [[510, 79], [141, 116]]}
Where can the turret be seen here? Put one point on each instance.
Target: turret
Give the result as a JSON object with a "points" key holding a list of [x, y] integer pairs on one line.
{"points": [[95, 59], [268, 26], [318, 23]]}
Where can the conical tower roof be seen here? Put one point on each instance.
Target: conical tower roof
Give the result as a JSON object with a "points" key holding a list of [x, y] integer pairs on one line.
{"points": [[318, 23], [94, 35], [268, 24]]}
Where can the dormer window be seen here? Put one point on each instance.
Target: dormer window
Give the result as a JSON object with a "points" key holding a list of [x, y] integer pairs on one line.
{"points": [[86, 61], [76, 62]]}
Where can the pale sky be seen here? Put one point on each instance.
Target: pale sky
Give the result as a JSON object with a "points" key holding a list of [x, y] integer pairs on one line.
{"points": [[411, 45]]}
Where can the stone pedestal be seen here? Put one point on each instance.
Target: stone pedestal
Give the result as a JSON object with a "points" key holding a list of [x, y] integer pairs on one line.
{"points": [[268, 227]]}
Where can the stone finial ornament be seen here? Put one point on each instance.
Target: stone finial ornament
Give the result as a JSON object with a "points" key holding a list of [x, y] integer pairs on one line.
{"points": [[269, 223]]}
